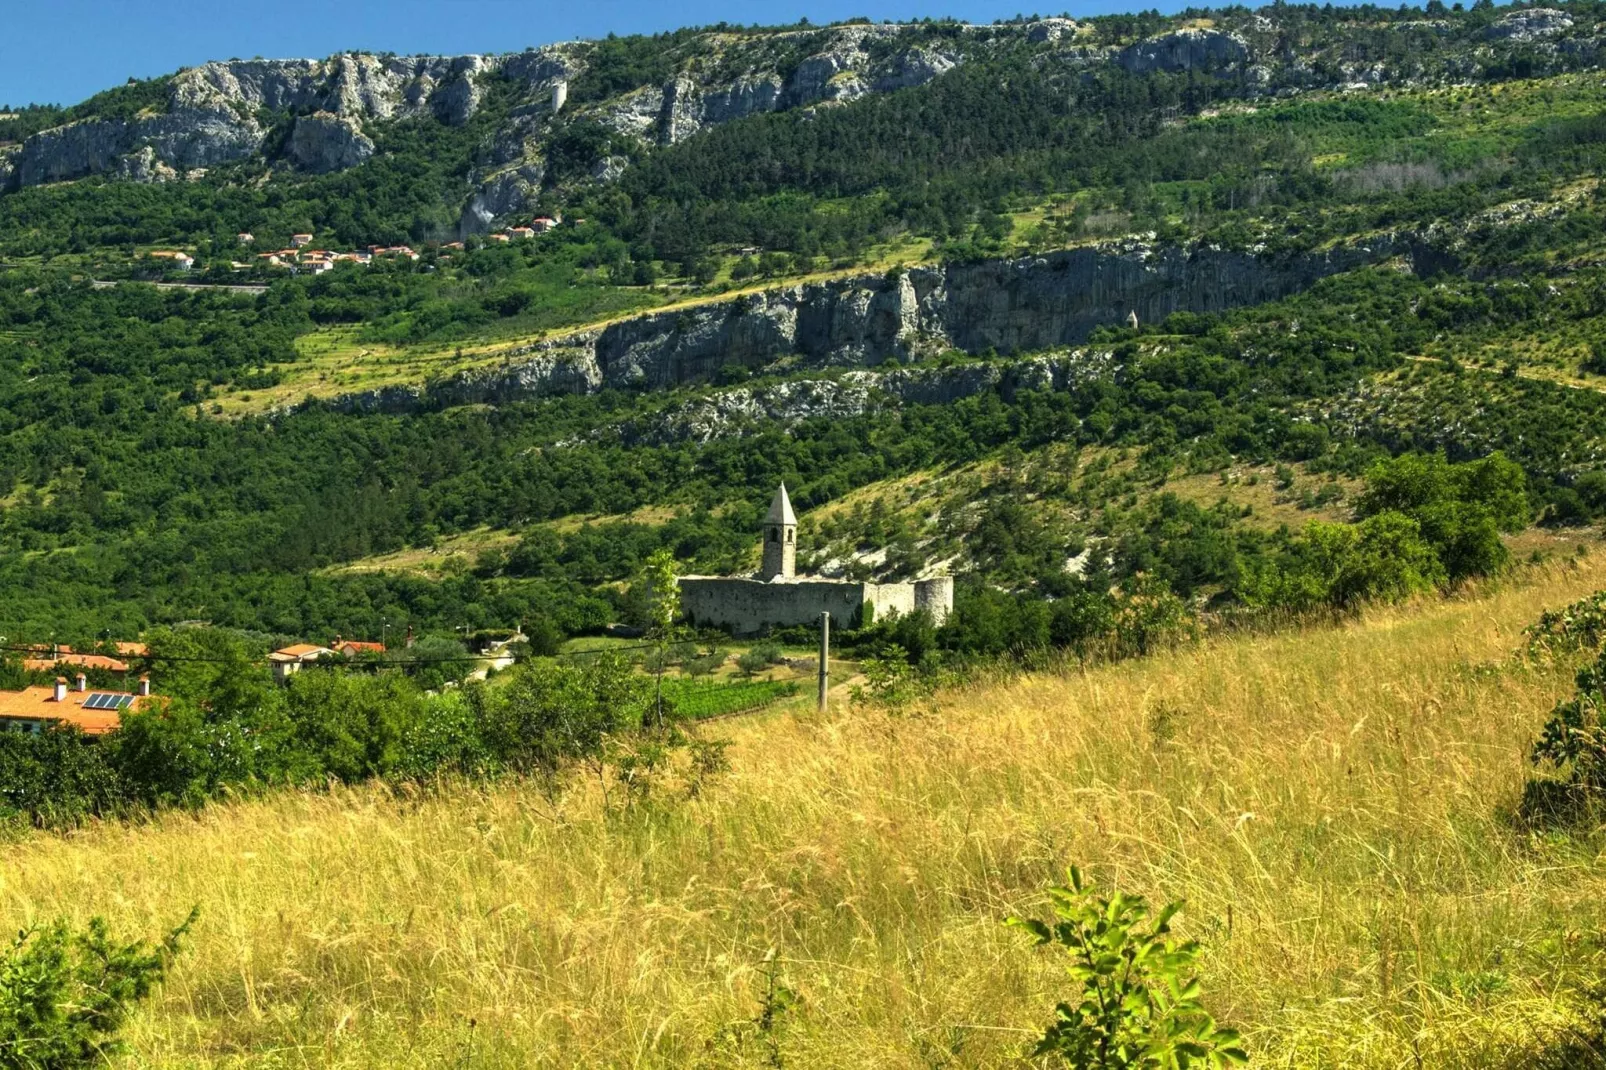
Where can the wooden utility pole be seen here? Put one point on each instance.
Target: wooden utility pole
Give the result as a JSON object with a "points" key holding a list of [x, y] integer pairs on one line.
{"points": [[825, 658]]}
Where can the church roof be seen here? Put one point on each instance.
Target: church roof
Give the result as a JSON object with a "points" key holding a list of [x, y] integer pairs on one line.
{"points": [[781, 509]]}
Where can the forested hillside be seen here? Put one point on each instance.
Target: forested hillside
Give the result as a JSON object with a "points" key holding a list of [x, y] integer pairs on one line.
{"points": [[1365, 235]]}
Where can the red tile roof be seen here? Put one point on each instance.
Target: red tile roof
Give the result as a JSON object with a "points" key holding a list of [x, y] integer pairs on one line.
{"points": [[39, 704], [64, 655], [299, 652], [348, 647]]}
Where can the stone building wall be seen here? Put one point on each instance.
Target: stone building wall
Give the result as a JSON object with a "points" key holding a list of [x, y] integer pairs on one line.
{"points": [[749, 606]]}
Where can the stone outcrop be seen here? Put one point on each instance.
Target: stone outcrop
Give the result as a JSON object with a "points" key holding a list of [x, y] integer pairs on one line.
{"points": [[325, 142], [1184, 50], [212, 116], [511, 191], [738, 411], [1529, 25], [1004, 307], [1047, 31]]}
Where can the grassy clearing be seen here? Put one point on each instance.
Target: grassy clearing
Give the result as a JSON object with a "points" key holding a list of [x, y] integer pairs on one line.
{"points": [[453, 554], [1336, 805]]}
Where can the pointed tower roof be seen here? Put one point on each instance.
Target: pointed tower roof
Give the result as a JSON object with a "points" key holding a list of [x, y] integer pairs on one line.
{"points": [[781, 509]]}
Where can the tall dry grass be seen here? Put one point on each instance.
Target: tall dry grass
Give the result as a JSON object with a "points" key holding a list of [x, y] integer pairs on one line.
{"points": [[1335, 805]]}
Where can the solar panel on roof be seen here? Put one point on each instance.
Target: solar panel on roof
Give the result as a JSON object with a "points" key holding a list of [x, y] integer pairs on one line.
{"points": [[103, 700]]}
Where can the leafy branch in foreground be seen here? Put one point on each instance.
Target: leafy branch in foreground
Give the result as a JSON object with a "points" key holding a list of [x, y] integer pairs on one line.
{"points": [[64, 994], [1138, 1007]]}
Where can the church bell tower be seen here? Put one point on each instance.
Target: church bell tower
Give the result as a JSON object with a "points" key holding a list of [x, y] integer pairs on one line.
{"points": [[780, 539]]}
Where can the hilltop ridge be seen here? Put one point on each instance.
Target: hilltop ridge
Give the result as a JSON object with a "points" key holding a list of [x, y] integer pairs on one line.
{"points": [[623, 96]]}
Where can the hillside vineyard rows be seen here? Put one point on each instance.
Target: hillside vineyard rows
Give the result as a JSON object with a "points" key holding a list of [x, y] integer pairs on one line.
{"points": [[1181, 418]]}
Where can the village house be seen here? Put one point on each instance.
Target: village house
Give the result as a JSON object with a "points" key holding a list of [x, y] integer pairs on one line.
{"points": [[298, 240], [292, 659], [289, 661], [183, 261], [245, 237], [543, 223], [521, 232], [498, 238], [95, 713], [350, 648]]}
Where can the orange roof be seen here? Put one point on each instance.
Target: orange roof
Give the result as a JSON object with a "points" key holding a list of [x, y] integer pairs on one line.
{"points": [[39, 704], [137, 650], [64, 655], [354, 646], [299, 652]]}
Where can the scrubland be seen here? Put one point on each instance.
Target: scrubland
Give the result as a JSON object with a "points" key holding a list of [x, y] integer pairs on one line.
{"points": [[1339, 806]]}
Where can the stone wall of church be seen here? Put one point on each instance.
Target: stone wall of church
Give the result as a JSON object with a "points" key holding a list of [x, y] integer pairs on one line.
{"points": [[749, 606], [746, 606]]}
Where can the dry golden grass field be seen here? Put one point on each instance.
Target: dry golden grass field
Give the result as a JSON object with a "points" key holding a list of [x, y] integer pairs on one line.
{"points": [[1336, 805]]}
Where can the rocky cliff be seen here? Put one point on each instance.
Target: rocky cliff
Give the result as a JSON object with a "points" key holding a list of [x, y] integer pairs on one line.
{"points": [[323, 115], [993, 307], [220, 112]]}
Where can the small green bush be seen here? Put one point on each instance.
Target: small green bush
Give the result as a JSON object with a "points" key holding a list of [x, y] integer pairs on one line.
{"points": [[1137, 1005], [1574, 739], [1580, 626], [64, 994]]}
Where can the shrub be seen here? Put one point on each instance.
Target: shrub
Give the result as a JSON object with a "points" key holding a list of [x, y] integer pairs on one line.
{"points": [[892, 684], [1579, 626], [1574, 739], [760, 658], [1137, 1004], [64, 994]]}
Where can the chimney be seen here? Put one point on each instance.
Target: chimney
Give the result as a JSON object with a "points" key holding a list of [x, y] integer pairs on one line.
{"points": [[61, 689], [83, 684], [145, 686]]}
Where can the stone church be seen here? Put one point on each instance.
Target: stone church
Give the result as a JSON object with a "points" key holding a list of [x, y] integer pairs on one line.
{"points": [[777, 597]]}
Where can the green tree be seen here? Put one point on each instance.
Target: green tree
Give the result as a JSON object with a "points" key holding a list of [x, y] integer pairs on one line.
{"points": [[661, 576]]}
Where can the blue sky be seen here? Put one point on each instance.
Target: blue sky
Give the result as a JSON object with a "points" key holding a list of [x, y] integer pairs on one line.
{"points": [[61, 51]]}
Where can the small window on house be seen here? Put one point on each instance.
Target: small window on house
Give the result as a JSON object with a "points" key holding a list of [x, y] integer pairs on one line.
{"points": [[775, 534], [788, 536]]}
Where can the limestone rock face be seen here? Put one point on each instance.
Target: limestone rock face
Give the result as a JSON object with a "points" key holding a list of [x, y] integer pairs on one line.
{"points": [[748, 95], [71, 151], [1047, 31], [507, 193], [1184, 50], [1039, 303], [212, 109], [915, 67], [609, 168], [324, 142], [817, 77], [635, 114], [1529, 25], [141, 165]]}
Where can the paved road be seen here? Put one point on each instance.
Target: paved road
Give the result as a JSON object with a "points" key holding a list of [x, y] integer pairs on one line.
{"points": [[240, 288]]}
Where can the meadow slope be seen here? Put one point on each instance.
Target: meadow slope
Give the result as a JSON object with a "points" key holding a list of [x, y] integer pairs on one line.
{"points": [[1337, 805]]}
